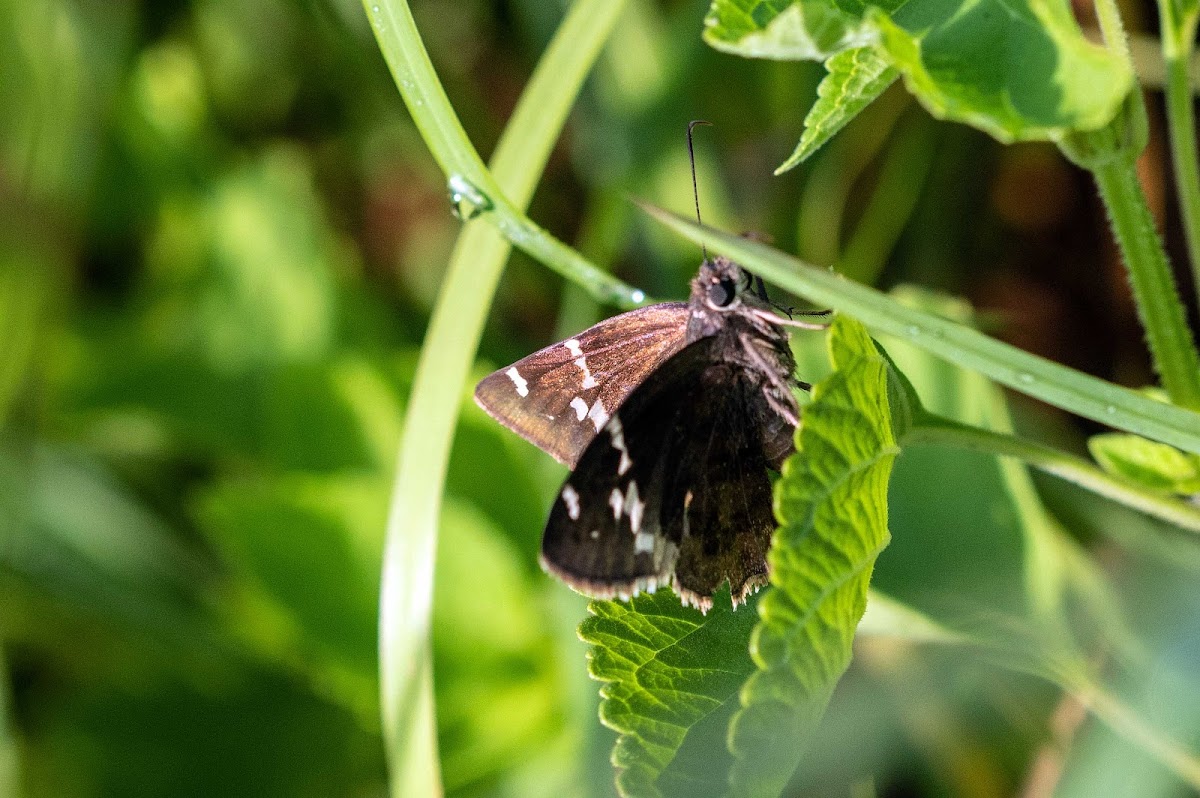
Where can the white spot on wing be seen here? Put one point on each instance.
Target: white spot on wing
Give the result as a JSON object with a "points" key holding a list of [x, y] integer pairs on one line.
{"points": [[573, 347], [598, 414], [617, 431], [519, 381], [595, 534], [571, 499], [643, 543], [588, 380], [633, 507], [617, 502], [580, 407]]}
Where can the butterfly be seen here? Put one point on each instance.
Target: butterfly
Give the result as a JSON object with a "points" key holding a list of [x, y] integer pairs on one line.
{"points": [[671, 417]]}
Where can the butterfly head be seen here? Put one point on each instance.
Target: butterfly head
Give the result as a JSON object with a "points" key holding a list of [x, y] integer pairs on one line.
{"points": [[721, 286]]}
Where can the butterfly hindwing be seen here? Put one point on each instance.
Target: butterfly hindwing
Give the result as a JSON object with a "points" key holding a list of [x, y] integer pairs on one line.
{"points": [[674, 490], [559, 397]]}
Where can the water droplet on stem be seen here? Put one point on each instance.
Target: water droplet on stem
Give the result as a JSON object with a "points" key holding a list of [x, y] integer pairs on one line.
{"points": [[466, 201]]}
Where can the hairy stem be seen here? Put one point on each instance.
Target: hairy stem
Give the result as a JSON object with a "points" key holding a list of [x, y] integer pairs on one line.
{"points": [[1154, 290]]}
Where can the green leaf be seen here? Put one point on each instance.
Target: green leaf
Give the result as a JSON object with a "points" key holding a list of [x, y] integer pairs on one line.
{"points": [[856, 77], [832, 506], [672, 677], [1018, 70], [70, 527], [1152, 464], [810, 30]]}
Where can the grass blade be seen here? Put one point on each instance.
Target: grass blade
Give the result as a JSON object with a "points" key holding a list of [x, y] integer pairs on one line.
{"points": [[449, 350], [1029, 374]]}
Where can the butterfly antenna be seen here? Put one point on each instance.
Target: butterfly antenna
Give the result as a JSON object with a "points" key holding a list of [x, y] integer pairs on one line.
{"points": [[695, 187]]}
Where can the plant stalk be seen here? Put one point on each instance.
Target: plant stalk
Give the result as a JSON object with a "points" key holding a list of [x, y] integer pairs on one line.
{"points": [[1178, 46], [1123, 720], [1155, 294], [466, 175], [1111, 154], [451, 341], [930, 429]]}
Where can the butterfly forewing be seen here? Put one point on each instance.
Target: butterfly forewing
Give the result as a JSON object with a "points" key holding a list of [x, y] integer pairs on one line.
{"points": [[558, 398], [674, 490]]}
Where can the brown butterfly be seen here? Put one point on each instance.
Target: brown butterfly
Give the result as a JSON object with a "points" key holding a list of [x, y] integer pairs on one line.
{"points": [[671, 416]]}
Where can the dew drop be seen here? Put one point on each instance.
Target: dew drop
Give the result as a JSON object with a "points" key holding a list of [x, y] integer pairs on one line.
{"points": [[638, 296], [913, 331], [1025, 377], [1111, 410], [466, 201]]}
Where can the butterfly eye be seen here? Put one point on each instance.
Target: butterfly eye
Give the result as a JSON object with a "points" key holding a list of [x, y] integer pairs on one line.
{"points": [[722, 292]]}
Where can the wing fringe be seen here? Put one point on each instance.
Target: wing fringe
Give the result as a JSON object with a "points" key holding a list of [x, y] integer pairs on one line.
{"points": [[624, 591]]}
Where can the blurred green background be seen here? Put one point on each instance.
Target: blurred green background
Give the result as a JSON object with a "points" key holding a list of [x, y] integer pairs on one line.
{"points": [[220, 241]]}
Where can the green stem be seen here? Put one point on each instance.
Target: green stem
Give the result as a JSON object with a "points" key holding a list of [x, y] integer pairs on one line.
{"points": [[1154, 290], [1111, 154], [1112, 29], [453, 336], [1123, 720], [826, 192], [901, 181], [930, 429], [1178, 45], [956, 343], [466, 174]]}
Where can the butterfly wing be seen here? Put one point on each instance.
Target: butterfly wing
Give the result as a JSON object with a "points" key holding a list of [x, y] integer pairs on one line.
{"points": [[675, 490], [559, 397]]}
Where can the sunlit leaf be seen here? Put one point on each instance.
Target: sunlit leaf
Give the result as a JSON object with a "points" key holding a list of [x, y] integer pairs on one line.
{"points": [[1017, 70], [856, 77], [792, 30], [247, 270], [832, 506]]}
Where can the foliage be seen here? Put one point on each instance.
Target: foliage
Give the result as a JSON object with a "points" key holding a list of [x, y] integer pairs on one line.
{"points": [[1018, 71], [224, 307], [832, 508], [677, 677]]}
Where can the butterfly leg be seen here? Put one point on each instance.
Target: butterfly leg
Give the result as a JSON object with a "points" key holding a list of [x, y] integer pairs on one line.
{"points": [[790, 322], [772, 374], [784, 412]]}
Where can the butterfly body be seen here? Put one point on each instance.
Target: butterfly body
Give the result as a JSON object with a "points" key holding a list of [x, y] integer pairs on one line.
{"points": [[671, 417]]}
